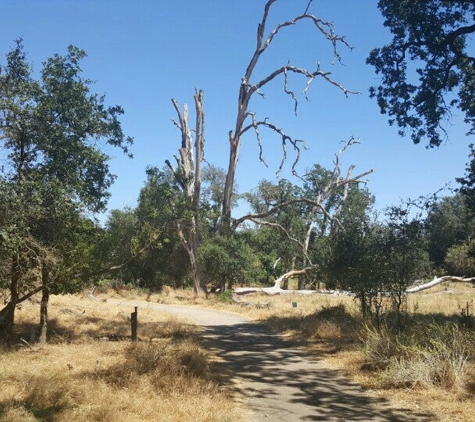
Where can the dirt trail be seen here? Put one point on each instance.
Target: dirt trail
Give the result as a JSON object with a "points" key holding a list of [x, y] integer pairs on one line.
{"points": [[278, 380]]}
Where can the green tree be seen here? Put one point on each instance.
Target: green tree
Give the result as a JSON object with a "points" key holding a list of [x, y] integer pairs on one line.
{"points": [[467, 188], [427, 69], [305, 215], [277, 229], [227, 260], [161, 208], [449, 223], [378, 260], [405, 256], [51, 129], [354, 262], [460, 259]]}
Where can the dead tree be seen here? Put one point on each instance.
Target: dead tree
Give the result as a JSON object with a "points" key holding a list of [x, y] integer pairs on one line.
{"points": [[188, 175], [338, 184], [419, 286], [188, 170], [247, 121]]}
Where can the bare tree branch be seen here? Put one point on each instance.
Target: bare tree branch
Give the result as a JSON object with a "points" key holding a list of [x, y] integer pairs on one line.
{"points": [[248, 88], [188, 176]]}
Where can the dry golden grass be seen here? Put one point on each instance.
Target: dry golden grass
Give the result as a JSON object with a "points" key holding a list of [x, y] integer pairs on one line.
{"points": [[447, 298], [82, 375], [331, 324]]}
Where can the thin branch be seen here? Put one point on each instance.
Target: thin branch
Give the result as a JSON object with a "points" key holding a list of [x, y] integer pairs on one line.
{"points": [[308, 6], [283, 230], [285, 138], [290, 92], [310, 75]]}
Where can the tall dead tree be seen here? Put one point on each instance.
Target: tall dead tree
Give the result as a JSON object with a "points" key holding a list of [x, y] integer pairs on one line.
{"points": [[247, 120], [337, 186], [188, 176], [188, 171]]}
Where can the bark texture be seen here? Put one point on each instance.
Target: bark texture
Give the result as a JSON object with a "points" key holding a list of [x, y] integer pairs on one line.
{"points": [[188, 175]]}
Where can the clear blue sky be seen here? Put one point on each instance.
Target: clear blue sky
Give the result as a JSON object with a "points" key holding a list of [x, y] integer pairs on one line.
{"points": [[142, 53]]}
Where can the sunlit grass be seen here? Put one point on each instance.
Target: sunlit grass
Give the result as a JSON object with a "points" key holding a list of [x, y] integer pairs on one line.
{"points": [[332, 327], [91, 371]]}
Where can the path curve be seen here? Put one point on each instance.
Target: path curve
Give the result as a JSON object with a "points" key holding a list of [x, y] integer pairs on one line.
{"points": [[276, 377]]}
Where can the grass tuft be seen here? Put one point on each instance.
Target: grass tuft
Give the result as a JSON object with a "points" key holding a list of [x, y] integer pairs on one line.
{"points": [[83, 375], [423, 354]]}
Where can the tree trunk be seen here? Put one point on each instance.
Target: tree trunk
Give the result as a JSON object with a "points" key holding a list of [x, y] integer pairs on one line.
{"points": [[188, 177], [9, 310], [199, 284], [7, 320], [225, 227], [42, 338]]}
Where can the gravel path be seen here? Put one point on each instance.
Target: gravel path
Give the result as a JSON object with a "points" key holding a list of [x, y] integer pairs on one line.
{"points": [[276, 377]]}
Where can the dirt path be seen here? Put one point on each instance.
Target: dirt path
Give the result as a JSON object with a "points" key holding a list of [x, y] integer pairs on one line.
{"points": [[278, 380]]}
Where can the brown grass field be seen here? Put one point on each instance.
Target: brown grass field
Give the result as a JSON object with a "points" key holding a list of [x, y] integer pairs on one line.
{"points": [[90, 371]]}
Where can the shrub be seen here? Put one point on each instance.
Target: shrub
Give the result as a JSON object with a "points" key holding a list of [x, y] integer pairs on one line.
{"points": [[331, 322], [425, 353], [226, 296]]}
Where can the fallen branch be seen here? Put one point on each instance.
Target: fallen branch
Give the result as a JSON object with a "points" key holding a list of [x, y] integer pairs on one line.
{"points": [[438, 280], [278, 291]]}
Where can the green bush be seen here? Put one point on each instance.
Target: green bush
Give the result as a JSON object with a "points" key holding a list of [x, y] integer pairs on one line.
{"points": [[226, 296]]}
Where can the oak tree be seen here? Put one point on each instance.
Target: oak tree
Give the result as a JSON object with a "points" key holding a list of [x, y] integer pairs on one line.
{"points": [[427, 69], [54, 174]]}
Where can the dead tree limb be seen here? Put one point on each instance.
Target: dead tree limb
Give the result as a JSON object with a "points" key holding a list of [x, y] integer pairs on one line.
{"points": [[188, 176], [323, 204], [438, 280], [249, 87]]}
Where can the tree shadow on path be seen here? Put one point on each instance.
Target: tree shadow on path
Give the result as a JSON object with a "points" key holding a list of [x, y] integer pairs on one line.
{"points": [[283, 383], [278, 379]]}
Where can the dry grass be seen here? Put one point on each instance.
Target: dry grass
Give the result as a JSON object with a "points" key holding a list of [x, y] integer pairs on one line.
{"points": [[90, 371], [83, 375], [332, 327]]}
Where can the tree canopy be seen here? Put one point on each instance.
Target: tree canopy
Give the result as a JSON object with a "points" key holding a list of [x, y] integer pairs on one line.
{"points": [[427, 69], [54, 173]]}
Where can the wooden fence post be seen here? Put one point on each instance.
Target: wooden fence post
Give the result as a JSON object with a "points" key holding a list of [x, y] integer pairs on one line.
{"points": [[133, 323]]}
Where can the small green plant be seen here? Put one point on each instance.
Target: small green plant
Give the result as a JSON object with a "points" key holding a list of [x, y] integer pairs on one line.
{"points": [[226, 296]]}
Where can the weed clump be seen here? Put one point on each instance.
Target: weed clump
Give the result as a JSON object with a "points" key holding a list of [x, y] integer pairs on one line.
{"points": [[331, 322], [422, 354]]}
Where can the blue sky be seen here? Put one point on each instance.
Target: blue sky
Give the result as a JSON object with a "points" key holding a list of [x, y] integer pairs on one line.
{"points": [[142, 53]]}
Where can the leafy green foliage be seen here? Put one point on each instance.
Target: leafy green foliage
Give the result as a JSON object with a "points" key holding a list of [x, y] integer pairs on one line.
{"points": [[460, 259], [51, 127], [227, 260], [145, 239], [449, 224], [467, 188], [376, 260], [427, 69], [55, 172]]}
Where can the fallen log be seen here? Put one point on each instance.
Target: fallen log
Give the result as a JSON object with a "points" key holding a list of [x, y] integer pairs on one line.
{"points": [[438, 280], [279, 291]]}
